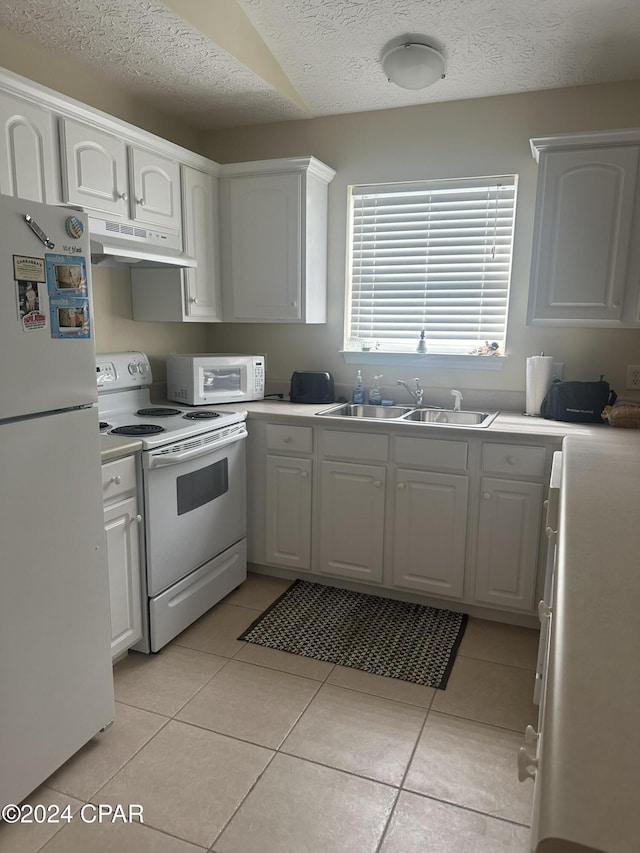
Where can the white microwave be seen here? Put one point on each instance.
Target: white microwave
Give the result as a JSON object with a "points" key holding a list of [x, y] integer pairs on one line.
{"points": [[203, 379]]}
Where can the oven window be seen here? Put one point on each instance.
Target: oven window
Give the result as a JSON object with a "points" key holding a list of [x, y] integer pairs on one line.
{"points": [[221, 379], [202, 486]]}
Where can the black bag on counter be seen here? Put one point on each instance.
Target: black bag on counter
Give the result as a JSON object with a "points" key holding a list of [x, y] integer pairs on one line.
{"points": [[577, 402]]}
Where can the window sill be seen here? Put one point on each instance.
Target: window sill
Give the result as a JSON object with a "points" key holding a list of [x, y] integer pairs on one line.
{"points": [[426, 360]]}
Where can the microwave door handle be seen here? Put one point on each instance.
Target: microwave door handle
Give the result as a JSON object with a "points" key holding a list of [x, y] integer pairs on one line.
{"points": [[150, 460]]}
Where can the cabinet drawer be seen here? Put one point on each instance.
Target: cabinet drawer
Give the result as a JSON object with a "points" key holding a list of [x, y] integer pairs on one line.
{"points": [[431, 453], [284, 437], [513, 459], [355, 445], [118, 478]]}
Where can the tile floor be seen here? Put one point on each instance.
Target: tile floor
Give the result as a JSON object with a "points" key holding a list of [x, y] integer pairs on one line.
{"points": [[233, 748]]}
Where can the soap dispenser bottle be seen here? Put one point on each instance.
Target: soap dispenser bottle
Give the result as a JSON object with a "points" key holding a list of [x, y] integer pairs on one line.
{"points": [[358, 395], [375, 394]]}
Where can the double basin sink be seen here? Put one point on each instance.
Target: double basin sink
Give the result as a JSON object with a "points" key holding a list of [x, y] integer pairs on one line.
{"points": [[410, 414]]}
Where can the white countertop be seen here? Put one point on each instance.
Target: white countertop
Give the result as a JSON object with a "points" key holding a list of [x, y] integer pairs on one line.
{"points": [[589, 776], [115, 447], [507, 423]]}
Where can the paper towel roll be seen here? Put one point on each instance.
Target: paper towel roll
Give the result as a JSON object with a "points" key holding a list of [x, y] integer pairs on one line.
{"points": [[539, 374]]}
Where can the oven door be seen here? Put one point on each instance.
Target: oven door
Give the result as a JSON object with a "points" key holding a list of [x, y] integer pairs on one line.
{"points": [[195, 508]]}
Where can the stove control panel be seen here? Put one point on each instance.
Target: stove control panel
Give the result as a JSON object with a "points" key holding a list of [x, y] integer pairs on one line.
{"points": [[118, 371]]}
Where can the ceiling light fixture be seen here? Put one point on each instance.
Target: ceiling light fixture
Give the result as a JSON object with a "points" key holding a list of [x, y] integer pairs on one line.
{"points": [[413, 65]]}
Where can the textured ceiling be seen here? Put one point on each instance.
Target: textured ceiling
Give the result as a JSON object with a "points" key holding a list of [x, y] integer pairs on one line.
{"points": [[330, 50]]}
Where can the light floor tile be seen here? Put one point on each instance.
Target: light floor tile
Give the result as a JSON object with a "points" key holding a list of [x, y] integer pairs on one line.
{"points": [[218, 630], [419, 825], [300, 807], [188, 780], [284, 661], [493, 641], [379, 685], [29, 837], [81, 837], [251, 702], [106, 753], [258, 591], [163, 682], [357, 732], [489, 693], [470, 764]]}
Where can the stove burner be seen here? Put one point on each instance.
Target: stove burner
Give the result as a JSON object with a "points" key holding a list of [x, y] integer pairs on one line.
{"points": [[158, 412], [104, 425], [201, 416], [138, 429]]}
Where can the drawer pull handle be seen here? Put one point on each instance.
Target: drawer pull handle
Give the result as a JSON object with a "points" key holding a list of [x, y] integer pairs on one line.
{"points": [[117, 479], [544, 610], [527, 765]]}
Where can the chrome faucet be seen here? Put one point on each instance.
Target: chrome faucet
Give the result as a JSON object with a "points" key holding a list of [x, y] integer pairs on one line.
{"points": [[417, 394], [457, 400]]}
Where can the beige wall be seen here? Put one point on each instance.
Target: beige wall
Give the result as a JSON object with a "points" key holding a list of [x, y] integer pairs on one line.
{"points": [[476, 137]]}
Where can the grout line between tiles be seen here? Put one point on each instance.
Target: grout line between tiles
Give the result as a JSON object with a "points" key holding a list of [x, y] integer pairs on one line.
{"points": [[499, 663], [467, 808]]}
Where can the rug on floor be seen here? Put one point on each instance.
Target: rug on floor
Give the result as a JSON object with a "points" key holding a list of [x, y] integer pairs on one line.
{"points": [[382, 636]]}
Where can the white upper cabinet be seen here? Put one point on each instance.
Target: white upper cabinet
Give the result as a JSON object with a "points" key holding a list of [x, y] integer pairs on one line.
{"points": [[193, 294], [156, 189], [28, 151], [102, 173], [586, 262], [274, 240], [95, 174]]}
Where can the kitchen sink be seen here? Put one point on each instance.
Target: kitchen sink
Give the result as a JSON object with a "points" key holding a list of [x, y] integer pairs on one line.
{"points": [[449, 416], [355, 410]]}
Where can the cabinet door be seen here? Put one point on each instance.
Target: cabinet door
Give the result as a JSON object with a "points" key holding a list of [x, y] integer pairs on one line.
{"points": [[28, 152], [155, 182], [352, 520], [202, 296], [94, 169], [123, 563], [265, 221], [288, 512], [583, 234], [508, 538], [430, 532]]}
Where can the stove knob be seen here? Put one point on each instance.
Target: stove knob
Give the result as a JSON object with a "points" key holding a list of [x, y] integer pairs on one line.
{"points": [[134, 368]]}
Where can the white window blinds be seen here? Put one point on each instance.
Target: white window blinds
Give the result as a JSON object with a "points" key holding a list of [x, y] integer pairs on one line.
{"points": [[432, 255]]}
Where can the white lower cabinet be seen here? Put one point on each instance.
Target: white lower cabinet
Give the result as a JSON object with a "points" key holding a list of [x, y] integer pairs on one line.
{"points": [[507, 546], [288, 512], [429, 533], [122, 523], [351, 522]]}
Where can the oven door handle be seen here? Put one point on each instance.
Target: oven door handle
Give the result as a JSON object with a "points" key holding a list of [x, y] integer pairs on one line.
{"points": [[151, 460]]}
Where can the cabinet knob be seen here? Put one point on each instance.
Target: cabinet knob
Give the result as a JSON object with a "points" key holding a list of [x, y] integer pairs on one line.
{"points": [[123, 196], [137, 519], [287, 439], [527, 765], [486, 496], [194, 300], [377, 483], [531, 735], [512, 460], [140, 201], [550, 532], [544, 610], [293, 303], [117, 479], [304, 475], [402, 485]]}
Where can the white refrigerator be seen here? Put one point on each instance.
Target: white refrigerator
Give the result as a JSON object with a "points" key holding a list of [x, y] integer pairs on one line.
{"points": [[56, 682]]}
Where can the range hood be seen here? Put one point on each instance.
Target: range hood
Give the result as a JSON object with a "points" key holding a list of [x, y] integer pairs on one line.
{"points": [[126, 243]]}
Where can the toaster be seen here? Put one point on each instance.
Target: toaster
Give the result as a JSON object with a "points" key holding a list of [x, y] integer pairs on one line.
{"points": [[311, 386]]}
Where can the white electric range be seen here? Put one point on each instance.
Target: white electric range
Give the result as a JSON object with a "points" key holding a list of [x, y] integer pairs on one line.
{"points": [[194, 494]]}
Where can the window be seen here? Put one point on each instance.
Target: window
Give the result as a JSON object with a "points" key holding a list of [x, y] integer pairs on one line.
{"points": [[432, 256]]}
